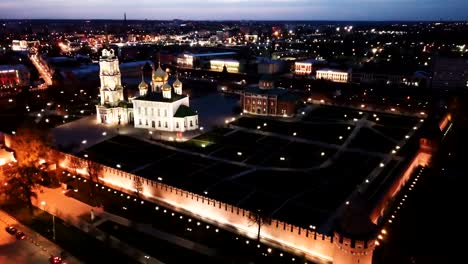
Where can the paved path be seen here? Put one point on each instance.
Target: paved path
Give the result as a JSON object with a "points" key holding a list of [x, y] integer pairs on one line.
{"points": [[36, 249], [79, 214]]}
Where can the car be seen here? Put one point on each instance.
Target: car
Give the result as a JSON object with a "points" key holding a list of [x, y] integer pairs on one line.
{"points": [[20, 235], [55, 260], [11, 230]]}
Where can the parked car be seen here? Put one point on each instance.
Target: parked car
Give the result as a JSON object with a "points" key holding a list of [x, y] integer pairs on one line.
{"points": [[11, 230], [55, 260], [20, 235]]}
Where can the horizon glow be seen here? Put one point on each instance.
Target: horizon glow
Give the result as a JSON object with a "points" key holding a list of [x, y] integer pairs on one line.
{"points": [[378, 10]]}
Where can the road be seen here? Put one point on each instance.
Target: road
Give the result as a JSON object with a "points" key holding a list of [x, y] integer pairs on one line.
{"points": [[43, 72], [34, 250]]}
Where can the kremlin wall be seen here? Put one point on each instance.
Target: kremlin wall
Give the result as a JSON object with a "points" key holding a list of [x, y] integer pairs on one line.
{"points": [[318, 247]]}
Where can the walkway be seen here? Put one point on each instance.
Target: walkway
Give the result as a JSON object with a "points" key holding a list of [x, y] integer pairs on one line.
{"points": [[76, 213]]}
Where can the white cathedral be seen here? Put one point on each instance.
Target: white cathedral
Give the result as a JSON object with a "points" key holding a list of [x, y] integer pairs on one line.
{"points": [[160, 107]]}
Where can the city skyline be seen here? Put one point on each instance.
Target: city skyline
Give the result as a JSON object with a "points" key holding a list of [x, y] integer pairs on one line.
{"points": [[337, 10]]}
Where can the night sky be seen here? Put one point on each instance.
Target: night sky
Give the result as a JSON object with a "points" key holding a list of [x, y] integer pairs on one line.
{"points": [[237, 9]]}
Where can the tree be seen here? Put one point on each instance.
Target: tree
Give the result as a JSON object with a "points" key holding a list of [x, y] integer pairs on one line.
{"points": [[258, 218], [138, 186], [94, 170], [31, 146], [25, 177], [23, 181]]}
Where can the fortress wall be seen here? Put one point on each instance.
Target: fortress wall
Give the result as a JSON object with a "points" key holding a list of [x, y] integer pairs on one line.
{"points": [[314, 245]]}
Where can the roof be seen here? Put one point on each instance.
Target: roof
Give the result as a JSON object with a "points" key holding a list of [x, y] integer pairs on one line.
{"points": [[312, 61], [184, 111], [210, 54], [158, 97], [333, 70], [282, 93], [267, 77]]}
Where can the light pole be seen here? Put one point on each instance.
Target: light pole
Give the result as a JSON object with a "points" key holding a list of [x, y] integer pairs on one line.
{"points": [[53, 227]]}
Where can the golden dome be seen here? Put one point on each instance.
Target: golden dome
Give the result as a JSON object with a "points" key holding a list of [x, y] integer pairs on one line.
{"points": [[143, 85], [166, 87], [177, 83], [160, 74]]}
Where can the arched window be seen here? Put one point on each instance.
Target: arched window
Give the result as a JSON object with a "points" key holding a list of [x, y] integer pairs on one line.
{"points": [[165, 124], [177, 124], [191, 123], [159, 123]]}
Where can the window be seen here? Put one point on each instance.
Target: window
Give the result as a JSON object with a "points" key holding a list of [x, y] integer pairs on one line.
{"points": [[191, 123], [139, 111], [159, 112], [146, 111], [165, 112], [153, 124], [165, 124], [159, 123], [152, 111], [196, 122], [140, 122], [177, 124]]}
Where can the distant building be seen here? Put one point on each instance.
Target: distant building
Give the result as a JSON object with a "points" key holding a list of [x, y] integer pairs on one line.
{"points": [[270, 67], [306, 67], [197, 60], [417, 79], [333, 75], [450, 73], [232, 66], [267, 100], [23, 45], [13, 76]]}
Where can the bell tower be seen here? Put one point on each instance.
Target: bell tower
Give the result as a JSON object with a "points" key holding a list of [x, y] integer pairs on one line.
{"points": [[111, 89]]}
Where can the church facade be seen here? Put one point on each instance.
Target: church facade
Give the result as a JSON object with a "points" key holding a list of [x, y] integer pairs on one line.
{"points": [[164, 107], [161, 106]]}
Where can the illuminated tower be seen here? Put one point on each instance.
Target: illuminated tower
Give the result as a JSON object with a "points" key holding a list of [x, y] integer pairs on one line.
{"points": [[111, 89]]}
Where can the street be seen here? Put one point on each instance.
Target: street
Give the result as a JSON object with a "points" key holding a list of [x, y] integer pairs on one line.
{"points": [[42, 70], [33, 250]]}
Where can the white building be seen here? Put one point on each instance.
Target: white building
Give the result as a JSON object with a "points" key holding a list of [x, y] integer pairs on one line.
{"points": [[168, 110], [113, 109], [159, 107], [333, 75]]}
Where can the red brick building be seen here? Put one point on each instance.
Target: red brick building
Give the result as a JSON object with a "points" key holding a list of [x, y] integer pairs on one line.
{"points": [[267, 100]]}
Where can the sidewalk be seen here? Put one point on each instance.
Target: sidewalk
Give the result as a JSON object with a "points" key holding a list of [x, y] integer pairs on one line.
{"points": [[35, 238], [79, 214]]}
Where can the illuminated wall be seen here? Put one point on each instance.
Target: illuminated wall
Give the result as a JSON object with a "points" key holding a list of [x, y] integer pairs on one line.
{"points": [[186, 61], [303, 68], [231, 65], [334, 76]]}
